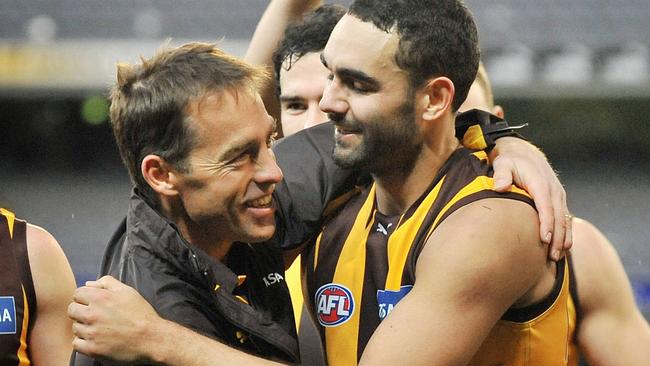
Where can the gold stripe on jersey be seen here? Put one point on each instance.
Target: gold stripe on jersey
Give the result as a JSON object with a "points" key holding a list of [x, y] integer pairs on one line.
{"points": [[351, 273], [316, 247], [545, 340], [481, 183], [23, 358], [400, 242], [10, 220]]}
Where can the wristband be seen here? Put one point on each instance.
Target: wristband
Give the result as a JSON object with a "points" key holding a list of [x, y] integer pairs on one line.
{"points": [[479, 130]]}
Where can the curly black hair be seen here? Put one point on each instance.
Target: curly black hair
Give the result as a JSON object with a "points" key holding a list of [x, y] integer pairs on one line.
{"points": [[307, 35]]}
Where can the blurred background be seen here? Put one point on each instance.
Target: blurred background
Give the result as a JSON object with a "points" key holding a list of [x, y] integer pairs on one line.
{"points": [[578, 71]]}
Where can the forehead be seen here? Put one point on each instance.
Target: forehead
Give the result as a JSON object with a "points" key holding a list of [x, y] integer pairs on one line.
{"points": [[360, 45], [222, 117], [306, 72]]}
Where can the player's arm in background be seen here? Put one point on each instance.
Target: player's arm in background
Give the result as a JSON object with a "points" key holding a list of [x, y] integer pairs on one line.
{"points": [[611, 330], [476, 265], [267, 35], [50, 342]]}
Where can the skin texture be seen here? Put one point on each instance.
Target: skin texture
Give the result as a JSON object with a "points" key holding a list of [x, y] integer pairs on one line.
{"points": [[611, 331], [50, 342]]}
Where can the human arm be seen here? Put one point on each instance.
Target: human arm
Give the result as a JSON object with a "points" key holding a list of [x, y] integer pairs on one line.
{"points": [[113, 319], [611, 330], [267, 35], [464, 283], [54, 284], [312, 183], [517, 161]]}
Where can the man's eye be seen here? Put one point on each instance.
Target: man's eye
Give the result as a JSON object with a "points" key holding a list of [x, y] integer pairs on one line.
{"points": [[358, 86], [242, 158], [296, 106]]}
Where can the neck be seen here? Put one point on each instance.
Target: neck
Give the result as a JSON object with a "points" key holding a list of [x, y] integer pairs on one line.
{"points": [[195, 233], [398, 190]]}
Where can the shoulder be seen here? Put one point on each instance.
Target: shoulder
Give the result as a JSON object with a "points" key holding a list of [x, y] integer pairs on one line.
{"points": [[494, 238], [51, 272]]}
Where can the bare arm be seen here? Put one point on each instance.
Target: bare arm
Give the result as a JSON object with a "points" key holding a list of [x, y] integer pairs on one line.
{"points": [[464, 284], [612, 331], [50, 342], [518, 161], [113, 322], [268, 33]]}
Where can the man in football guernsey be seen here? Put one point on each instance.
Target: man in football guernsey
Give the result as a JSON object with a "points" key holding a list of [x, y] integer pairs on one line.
{"points": [[421, 265], [36, 285], [607, 327], [300, 78]]}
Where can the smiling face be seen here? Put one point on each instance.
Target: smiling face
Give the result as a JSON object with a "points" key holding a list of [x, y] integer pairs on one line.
{"points": [[369, 99], [302, 88], [226, 192]]}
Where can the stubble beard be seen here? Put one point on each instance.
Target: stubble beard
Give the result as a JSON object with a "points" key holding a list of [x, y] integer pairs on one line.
{"points": [[387, 147]]}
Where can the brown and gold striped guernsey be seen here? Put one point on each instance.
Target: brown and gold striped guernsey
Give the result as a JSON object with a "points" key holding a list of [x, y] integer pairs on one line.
{"points": [[363, 262], [17, 296]]}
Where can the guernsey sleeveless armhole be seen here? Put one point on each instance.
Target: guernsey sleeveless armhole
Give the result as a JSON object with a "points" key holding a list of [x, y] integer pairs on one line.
{"points": [[573, 291], [533, 311]]}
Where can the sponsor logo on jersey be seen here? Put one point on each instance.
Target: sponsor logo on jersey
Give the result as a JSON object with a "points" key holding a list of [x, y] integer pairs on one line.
{"points": [[272, 279], [387, 299], [7, 315], [334, 305]]}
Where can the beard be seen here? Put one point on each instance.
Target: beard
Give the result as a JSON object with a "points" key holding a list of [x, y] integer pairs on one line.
{"points": [[388, 144]]}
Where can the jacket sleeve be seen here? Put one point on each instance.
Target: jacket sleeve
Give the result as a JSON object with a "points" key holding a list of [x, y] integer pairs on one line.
{"points": [[311, 181]]}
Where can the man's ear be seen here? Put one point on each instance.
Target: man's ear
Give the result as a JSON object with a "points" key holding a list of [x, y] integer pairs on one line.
{"points": [[498, 111], [439, 97], [158, 174]]}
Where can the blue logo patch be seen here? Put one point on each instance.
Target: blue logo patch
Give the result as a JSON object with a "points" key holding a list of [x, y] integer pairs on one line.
{"points": [[7, 315], [334, 305], [387, 299]]}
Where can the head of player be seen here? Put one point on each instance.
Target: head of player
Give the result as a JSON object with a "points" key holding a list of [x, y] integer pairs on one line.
{"points": [[300, 75], [399, 70], [195, 137]]}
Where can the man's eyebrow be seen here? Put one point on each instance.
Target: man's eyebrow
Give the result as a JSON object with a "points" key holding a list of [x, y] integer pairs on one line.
{"points": [[353, 74], [359, 76], [240, 147], [290, 98]]}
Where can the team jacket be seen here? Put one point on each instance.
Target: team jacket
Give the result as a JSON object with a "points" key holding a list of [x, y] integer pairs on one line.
{"points": [[363, 263], [247, 307], [17, 296]]}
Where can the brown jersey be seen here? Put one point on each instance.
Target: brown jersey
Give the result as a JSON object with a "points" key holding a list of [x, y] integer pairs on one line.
{"points": [[363, 262], [17, 296]]}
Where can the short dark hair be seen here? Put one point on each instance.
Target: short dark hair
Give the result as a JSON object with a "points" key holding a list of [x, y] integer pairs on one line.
{"points": [[307, 35], [149, 102], [437, 38]]}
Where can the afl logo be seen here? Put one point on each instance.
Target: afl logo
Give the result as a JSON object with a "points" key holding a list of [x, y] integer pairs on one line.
{"points": [[334, 305]]}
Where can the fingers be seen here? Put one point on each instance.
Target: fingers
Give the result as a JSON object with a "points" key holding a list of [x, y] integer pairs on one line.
{"points": [[562, 234], [504, 170]]}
